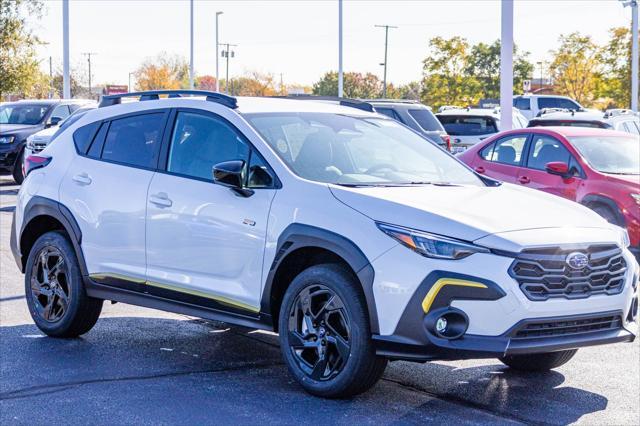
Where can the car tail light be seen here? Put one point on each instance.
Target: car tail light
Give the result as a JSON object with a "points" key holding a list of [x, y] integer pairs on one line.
{"points": [[447, 141], [34, 162]]}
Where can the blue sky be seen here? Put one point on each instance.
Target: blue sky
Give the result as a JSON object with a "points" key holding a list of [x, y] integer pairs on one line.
{"points": [[299, 38]]}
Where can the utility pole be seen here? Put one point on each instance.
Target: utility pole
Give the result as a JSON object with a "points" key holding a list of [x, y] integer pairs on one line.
{"points": [[88, 55], [66, 81], [634, 51], [226, 53], [130, 89], [191, 48], [506, 65], [50, 77], [217, 50], [340, 74], [386, 43]]}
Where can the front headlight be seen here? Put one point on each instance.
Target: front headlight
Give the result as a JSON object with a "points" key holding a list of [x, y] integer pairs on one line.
{"points": [[625, 241], [431, 245], [30, 144], [7, 139], [636, 197]]}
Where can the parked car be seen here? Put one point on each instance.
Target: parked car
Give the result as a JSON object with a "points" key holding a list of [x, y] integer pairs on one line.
{"points": [[618, 119], [39, 141], [338, 228], [531, 105], [468, 126], [415, 115], [19, 120], [597, 168]]}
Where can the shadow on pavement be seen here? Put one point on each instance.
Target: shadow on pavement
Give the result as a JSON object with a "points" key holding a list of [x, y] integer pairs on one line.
{"points": [[146, 370]]}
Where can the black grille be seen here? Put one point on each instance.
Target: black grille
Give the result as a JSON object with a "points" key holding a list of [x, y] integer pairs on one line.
{"points": [[564, 327], [544, 273]]}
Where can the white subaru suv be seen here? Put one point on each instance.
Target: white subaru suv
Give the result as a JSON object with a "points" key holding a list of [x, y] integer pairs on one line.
{"points": [[344, 231]]}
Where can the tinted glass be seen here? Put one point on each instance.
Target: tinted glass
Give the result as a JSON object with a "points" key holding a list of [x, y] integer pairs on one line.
{"points": [[260, 176], [98, 140], [134, 140], [506, 151], [199, 142], [22, 113], [61, 112], [352, 150], [388, 112], [566, 123], [523, 104], [545, 149], [468, 125], [426, 119], [610, 154], [557, 103], [83, 136]]}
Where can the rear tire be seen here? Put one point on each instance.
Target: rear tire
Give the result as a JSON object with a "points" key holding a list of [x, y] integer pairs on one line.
{"points": [[538, 362], [54, 288], [325, 335], [17, 169]]}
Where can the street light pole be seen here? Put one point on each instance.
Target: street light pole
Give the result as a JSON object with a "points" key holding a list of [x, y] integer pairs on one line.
{"points": [[386, 43], [191, 48], [66, 83], [130, 74], [88, 55], [217, 54], [506, 65], [50, 77], [340, 74], [227, 54], [634, 51]]}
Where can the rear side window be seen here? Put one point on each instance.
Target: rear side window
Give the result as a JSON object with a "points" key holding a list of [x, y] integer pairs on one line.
{"points": [[545, 149], [389, 113], [523, 104], [134, 140], [506, 151], [557, 103], [83, 136], [426, 119], [467, 125]]}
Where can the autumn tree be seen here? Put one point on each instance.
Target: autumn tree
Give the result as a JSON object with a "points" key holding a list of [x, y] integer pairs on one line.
{"points": [[576, 68], [163, 72], [252, 84], [356, 85], [616, 60], [206, 82], [19, 69]]}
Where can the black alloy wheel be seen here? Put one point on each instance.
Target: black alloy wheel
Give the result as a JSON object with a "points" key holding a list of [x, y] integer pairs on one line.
{"points": [[319, 332], [50, 287]]}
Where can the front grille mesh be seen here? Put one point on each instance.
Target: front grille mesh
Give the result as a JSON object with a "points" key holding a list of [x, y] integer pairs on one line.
{"points": [[544, 273], [568, 327]]}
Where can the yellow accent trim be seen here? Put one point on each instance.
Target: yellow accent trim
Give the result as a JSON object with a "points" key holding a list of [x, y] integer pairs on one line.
{"points": [[435, 289], [221, 299]]}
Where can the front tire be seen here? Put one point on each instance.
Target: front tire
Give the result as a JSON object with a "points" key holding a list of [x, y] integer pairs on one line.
{"points": [[18, 177], [538, 362], [325, 335], [55, 291], [607, 214]]}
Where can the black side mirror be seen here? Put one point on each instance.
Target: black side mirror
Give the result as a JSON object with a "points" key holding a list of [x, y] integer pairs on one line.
{"points": [[54, 121], [231, 174]]}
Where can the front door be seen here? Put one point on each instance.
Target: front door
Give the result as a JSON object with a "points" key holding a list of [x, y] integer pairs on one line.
{"points": [[205, 242], [545, 149]]}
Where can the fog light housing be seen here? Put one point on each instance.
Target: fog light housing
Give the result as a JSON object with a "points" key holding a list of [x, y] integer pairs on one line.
{"points": [[447, 323]]}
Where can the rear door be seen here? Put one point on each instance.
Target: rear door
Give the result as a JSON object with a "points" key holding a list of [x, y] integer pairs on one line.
{"points": [[543, 149], [106, 190], [502, 159]]}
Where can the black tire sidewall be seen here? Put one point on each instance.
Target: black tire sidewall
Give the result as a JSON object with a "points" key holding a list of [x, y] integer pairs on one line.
{"points": [[74, 279], [606, 213], [335, 278], [17, 175]]}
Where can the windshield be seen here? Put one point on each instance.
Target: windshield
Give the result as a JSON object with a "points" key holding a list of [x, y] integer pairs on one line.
{"points": [[356, 151], [22, 113], [426, 120], [610, 154], [468, 125]]}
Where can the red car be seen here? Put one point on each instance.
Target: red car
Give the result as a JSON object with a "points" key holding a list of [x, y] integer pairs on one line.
{"points": [[595, 167]]}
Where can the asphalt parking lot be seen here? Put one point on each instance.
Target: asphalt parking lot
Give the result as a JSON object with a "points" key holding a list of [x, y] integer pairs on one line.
{"points": [[149, 367]]}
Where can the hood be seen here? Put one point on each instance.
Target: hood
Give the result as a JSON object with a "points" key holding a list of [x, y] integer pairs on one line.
{"points": [[468, 212], [631, 180], [18, 128]]}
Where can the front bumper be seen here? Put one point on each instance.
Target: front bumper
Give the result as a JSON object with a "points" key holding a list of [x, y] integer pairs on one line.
{"points": [[8, 156], [495, 313]]}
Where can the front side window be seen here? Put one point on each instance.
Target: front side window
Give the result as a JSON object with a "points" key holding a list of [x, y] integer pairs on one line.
{"points": [[134, 140], [353, 150], [545, 149], [199, 142], [27, 114], [468, 125], [505, 151], [610, 154], [60, 112]]}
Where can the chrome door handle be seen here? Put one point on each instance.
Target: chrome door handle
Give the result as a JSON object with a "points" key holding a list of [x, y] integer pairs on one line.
{"points": [[161, 199], [82, 179]]}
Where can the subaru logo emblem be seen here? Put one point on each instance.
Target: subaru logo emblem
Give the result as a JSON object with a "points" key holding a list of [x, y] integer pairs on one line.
{"points": [[577, 260]]}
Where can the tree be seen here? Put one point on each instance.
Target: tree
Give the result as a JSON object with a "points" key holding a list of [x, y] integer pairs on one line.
{"points": [[18, 64], [616, 60], [576, 68], [206, 82], [445, 78], [163, 72], [484, 65], [356, 85], [253, 84]]}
